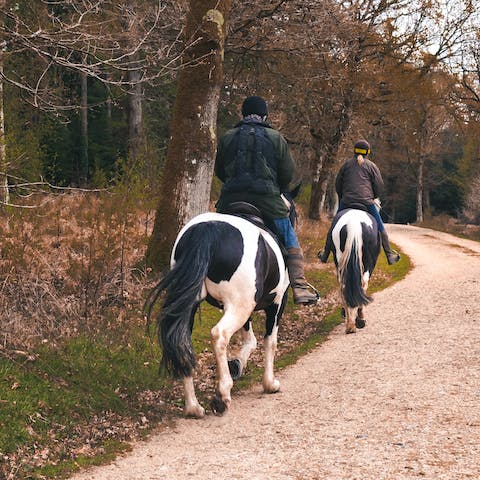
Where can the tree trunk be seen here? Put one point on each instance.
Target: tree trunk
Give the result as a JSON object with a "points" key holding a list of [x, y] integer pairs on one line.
{"points": [[109, 136], [314, 211], [331, 201], [134, 114], [420, 189], [324, 189], [320, 183], [423, 142], [4, 192], [328, 143], [427, 206], [187, 175], [134, 74], [83, 170]]}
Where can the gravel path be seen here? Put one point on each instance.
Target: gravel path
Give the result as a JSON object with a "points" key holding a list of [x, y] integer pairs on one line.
{"points": [[397, 400]]}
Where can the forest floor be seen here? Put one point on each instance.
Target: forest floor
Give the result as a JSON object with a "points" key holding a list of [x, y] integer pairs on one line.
{"points": [[398, 399]]}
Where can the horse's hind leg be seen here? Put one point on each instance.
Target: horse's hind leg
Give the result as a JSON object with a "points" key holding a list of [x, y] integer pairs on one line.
{"points": [[360, 321], [350, 316], [270, 383], [221, 335], [249, 343], [192, 406], [273, 312]]}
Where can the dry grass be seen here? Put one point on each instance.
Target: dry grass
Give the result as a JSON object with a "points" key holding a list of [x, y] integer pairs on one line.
{"points": [[447, 224], [68, 264]]}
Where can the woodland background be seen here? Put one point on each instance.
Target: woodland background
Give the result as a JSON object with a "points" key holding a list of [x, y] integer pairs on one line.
{"points": [[109, 117], [110, 111]]}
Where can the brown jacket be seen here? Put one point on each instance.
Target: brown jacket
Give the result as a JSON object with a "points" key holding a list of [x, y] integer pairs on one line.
{"points": [[358, 183]]}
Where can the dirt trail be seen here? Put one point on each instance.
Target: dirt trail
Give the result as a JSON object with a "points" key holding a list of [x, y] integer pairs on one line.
{"points": [[398, 400]]}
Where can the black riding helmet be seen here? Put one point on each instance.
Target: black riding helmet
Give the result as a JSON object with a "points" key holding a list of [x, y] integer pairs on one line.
{"points": [[362, 147]]}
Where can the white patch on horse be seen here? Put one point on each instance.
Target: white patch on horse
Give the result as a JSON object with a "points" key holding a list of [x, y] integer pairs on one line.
{"points": [[359, 214]]}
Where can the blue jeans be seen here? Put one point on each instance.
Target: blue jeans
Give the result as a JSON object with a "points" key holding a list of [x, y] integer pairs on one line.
{"points": [[286, 232], [372, 210]]}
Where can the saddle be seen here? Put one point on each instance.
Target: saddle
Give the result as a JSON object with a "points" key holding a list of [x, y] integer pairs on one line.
{"points": [[251, 213], [247, 211]]}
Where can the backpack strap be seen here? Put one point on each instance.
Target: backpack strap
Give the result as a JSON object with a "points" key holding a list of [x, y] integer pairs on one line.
{"points": [[244, 136]]}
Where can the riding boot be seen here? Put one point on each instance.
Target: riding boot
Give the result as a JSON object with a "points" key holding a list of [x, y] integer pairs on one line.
{"points": [[300, 287], [392, 255]]}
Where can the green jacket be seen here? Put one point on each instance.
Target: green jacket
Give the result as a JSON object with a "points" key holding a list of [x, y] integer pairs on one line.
{"points": [[271, 203]]}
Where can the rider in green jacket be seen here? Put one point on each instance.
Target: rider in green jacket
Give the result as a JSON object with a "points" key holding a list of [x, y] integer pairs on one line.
{"points": [[254, 163]]}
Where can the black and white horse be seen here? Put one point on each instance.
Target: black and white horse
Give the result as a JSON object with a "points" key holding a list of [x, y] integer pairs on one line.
{"points": [[233, 264], [356, 246]]}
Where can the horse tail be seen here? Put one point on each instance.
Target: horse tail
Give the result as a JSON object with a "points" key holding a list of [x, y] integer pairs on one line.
{"points": [[350, 268], [183, 285]]}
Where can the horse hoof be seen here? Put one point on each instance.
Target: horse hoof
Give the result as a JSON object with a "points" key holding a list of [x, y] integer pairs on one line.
{"points": [[194, 412], [218, 406], [273, 388], [350, 330], [235, 368], [360, 322]]}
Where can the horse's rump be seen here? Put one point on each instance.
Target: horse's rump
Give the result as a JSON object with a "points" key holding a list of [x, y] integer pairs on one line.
{"points": [[244, 255], [356, 247]]}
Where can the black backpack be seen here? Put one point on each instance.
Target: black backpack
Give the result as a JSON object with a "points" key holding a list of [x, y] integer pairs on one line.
{"points": [[250, 162]]}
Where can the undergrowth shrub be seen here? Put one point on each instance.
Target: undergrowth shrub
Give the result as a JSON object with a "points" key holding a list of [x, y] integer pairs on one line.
{"points": [[453, 226], [70, 262]]}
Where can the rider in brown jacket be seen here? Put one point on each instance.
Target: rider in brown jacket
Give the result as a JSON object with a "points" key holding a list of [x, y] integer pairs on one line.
{"points": [[358, 183]]}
